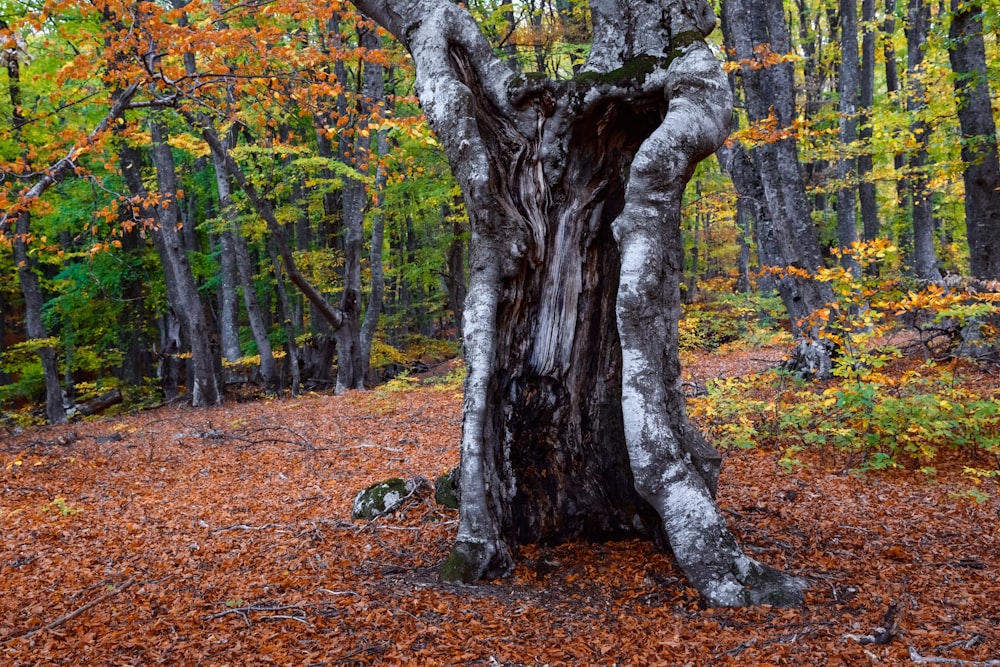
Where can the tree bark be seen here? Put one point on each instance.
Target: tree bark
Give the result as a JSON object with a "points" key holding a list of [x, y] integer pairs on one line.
{"points": [[31, 289], [229, 311], [574, 424], [284, 304], [979, 144], [455, 279], [27, 266], [235, 251], [866, 186], [847, 170], [924, 259], [182, 292], [769, 174], [892, 87]]}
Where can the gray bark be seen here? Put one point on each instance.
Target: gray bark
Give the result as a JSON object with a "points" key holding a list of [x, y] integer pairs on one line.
{"points": [[574, 423], [26, 265], [229, 311], [284, 303], [924, 260], [769, 174], [334, 316], [866, 186], [455, 279], [352, 356], [31, 290], [979, 139], [377, 292], [847, 86], [892, 86], [182, 292], [236, 252]]}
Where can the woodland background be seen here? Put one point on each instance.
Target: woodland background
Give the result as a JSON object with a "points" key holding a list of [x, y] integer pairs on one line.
{"points": [[257, 179]]}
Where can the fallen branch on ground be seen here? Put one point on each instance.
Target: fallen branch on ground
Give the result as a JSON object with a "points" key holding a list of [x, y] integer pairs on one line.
{"points": [[921, 660], [73, 614]]}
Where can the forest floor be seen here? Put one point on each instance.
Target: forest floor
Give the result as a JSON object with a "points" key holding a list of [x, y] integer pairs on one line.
{"points": [[223, 537]]}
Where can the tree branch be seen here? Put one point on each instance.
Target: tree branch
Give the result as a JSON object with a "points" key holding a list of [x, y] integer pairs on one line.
{"points": [[73, 614], [62, 167]]}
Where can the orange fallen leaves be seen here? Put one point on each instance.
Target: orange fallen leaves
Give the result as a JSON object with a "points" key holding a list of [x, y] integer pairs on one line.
{"points": [[233, 525]]}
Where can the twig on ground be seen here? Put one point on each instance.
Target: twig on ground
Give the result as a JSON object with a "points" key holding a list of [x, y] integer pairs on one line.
{"points": [[73, 614], [243, 611], [933, 660], [243, 526]]}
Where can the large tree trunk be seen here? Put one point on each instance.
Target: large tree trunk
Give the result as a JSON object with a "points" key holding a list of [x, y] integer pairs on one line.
{"points": [[574, 424], [979, 139]]}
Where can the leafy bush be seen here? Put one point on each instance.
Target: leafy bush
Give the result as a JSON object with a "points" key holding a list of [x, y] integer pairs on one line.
{"points": [[730, 318], [881, 417], [886, 420]]}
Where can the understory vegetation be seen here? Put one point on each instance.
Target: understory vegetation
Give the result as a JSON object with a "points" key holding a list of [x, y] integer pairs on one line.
{"points": [[914, 371]]}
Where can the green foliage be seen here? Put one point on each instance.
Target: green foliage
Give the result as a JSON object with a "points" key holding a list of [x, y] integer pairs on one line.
{"points": [[887, 418], [61, 506], [415, 350], [24, 365], [729, 318]]}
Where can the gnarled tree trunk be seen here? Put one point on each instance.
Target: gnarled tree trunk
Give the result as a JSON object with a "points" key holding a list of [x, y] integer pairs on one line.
{"points": [[574, 423]]}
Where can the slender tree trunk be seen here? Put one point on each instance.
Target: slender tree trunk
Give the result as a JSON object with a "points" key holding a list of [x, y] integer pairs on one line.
{"points": [[847, 87], [234, 247], [692, 281], [229, 310], [892, 88], [181, 288], [34, 327], [284, 304], [745, 221], [979, 138], [924, 259], [351, 355], [574, 423], [455, 279], [27, 266], [817, 74], [133, 320], [866, 186]]}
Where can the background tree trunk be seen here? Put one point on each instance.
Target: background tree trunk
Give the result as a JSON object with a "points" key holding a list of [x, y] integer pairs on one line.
{"points": [[866, 186], [847, 170], [182, 291], [924, 259], [26, 265], [979, 142], [769, 174], [55, 411]]}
